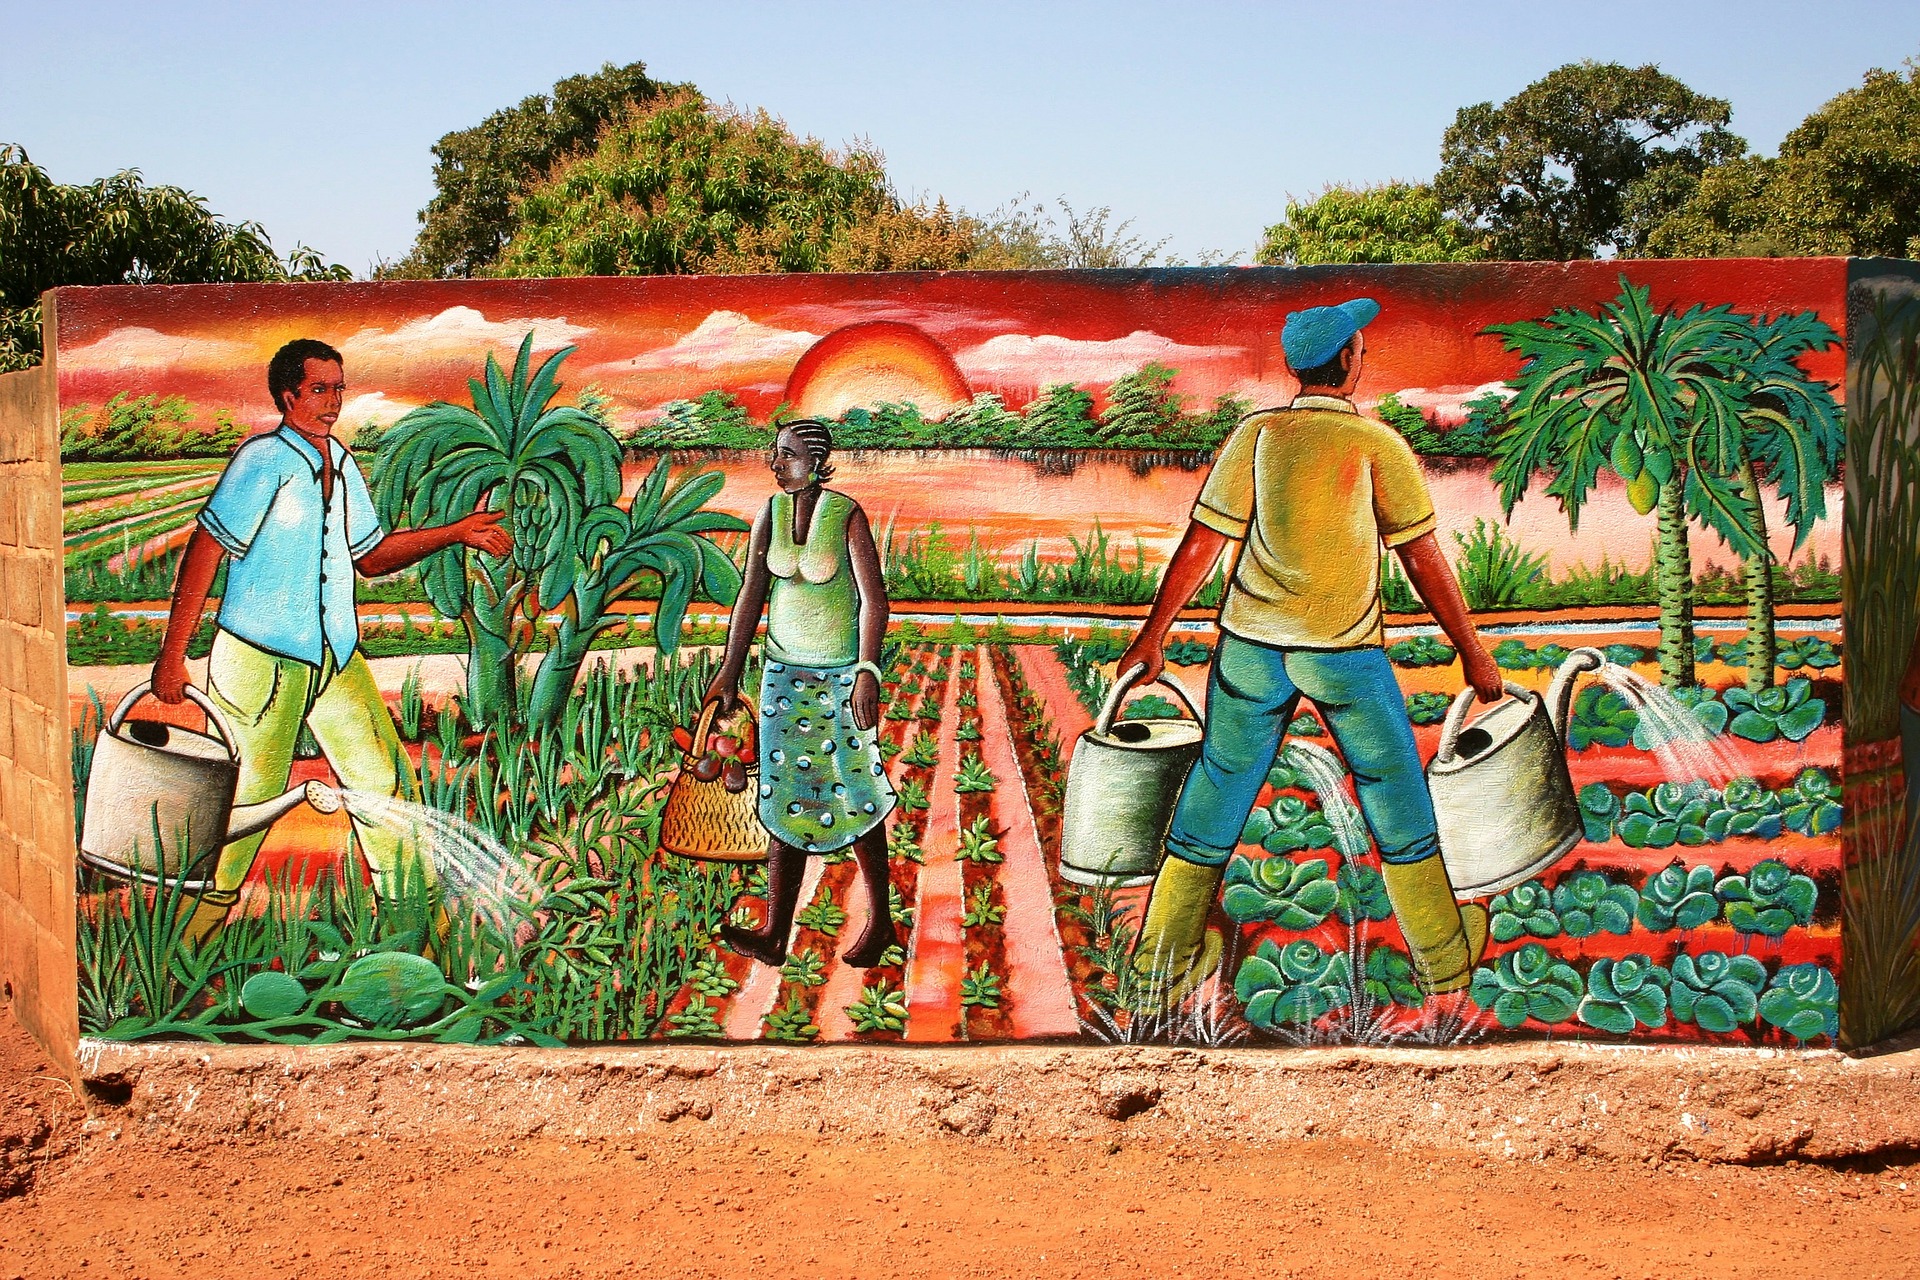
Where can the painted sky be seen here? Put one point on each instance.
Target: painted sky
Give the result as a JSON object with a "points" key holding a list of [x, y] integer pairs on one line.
{"points": [[649, 341]]}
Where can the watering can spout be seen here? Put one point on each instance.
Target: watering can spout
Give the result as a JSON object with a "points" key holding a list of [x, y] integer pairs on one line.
{"points": [[251, 819], [1560, 692]]}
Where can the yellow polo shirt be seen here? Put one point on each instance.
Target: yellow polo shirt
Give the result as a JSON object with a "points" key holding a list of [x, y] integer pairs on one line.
{"points": [[1313, 491]]}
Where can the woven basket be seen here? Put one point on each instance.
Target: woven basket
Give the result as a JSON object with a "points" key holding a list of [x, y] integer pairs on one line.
{"points": [[706, 821]]}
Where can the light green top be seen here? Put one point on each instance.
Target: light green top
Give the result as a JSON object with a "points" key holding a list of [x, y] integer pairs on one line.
{"points": [[813, 606]]}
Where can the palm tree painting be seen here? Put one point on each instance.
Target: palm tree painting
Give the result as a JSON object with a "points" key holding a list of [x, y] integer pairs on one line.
{"points": [[1694, 411]]}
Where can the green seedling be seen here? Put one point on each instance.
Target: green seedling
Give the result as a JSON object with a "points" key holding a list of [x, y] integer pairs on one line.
{"points": [[804, 969], [979, 844], [710, 977], [912, 796], [822, 917], [924, 753], [879, 1008], [696, 1021], [902, 846], [974, 777], [791, 1022], [981, 910], [980, 988], [969, 730]]}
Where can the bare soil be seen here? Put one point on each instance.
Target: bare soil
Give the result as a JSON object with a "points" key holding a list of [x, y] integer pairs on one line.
{"points": [[91, 1190]]}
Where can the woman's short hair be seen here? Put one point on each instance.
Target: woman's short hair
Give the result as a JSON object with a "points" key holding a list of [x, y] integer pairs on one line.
{"points": [[818, 441]]}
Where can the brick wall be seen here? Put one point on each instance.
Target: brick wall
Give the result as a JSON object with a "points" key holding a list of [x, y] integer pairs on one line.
{"points": [[36, 779]]}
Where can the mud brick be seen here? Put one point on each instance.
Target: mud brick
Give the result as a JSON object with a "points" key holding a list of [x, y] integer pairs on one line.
{"points": [[53, 819], [9, 864], [28, 730], [38, 527], [36, 889], [44, 669], [7, 699], [23, 592], [9, 506], [13, 643]]}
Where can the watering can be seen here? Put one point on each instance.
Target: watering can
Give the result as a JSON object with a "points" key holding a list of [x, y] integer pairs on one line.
{"points": [[1502, 795], [155, 783], [1121, 788]]}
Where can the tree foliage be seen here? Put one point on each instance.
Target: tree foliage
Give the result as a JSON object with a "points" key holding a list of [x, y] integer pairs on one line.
{"points": [[138, 428], [117, 230], [1588, 158], [679, 185], [1846, 181], [479, 173], [1392, 222]]}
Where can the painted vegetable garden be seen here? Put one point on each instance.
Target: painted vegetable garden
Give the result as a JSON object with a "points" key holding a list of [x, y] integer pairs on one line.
{"points": [[1701, 901]]}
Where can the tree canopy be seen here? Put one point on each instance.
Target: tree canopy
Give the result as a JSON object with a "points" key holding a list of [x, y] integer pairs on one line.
{"points": [[1846, 181], [680, 185], [479, 172], [1392, 222], [117, 230], [1588, 159]]}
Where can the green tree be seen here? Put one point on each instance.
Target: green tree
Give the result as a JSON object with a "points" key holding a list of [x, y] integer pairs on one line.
{"points": [[479, 173], [1392, 222], [1142, 406], [985, 421], [1410, 423], [546, 466], [117, 230], [1061, 417], [679, 185], [130, 428], [1651, 396], [1846, 181], [1587, 159], [1789, 433]]}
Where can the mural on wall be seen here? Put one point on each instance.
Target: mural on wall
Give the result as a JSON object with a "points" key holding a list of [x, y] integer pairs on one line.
{"points": [[1882, 907], [1345, 655]]}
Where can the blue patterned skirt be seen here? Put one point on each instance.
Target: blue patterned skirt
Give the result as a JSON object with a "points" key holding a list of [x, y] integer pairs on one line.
{"points": [[823, 784]]}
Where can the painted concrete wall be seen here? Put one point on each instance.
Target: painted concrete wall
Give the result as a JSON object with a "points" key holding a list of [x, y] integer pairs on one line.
{"points": [[1026, 450]]}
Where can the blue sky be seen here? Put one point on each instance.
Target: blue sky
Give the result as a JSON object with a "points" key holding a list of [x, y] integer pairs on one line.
{"points": [[1196, 120]]}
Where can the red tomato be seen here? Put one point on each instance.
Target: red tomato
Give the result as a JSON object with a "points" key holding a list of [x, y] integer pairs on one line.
{"points": [[724, 747]]}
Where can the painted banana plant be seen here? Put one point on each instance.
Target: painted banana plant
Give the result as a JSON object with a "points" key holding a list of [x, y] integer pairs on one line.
{"points": [[665, 533], [547, 467], [1651, 396]]}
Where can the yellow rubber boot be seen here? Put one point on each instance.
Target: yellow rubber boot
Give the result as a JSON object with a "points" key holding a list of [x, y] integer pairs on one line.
{"points": [[1175, 951], [1446, 939]]}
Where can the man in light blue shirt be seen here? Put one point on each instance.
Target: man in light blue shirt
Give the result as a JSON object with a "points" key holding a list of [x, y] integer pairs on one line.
{"points": [[292, 514]]}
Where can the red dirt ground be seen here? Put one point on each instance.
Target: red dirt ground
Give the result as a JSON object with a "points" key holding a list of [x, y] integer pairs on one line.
{"points": [[88, 1196]]}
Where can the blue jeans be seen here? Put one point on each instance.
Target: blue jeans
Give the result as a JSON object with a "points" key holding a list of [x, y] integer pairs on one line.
{"points": [[1252, 693]]}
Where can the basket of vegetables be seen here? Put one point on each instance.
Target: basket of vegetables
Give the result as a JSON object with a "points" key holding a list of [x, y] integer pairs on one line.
{"points": [[713, 809]]}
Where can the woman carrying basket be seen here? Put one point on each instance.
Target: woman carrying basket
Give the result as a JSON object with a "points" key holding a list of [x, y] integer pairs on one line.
{"points": [[813, 567]]}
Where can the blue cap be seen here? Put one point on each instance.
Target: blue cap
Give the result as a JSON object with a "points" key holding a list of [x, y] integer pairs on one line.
{"points": [[1312, 337]]}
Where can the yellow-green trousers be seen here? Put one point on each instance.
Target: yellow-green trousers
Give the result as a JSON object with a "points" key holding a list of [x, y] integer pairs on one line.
{"points": [[266, 698]]}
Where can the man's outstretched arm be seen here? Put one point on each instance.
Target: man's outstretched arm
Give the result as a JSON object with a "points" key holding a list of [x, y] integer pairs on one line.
{"points": [[1432, 577], [190, 587], [398, 550], [1186, 573]]}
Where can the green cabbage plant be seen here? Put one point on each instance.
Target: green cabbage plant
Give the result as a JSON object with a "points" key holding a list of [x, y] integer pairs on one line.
{"points": [[1293, 895], [1601, 718], [1390, 978], [1598, 809], [1769, 900], [1787, 711], [1671, 813], [1803, 1000], [1362, 893], [1806, 651], [1715, 991], [1624, 993], [1288, 825], [1524, 909], [1528, 983], [1420, 651], [1745, 808], [1701, 702], [1588, 903], [1298, 983], [1676, 897], [1811, 806]]}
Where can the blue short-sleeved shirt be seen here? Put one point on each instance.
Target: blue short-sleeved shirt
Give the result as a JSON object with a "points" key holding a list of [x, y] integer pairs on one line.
{"points": [[290, 585]]}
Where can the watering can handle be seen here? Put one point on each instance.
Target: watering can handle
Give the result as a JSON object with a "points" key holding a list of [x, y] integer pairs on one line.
{"points": [[1457, 716], [215, 717], [1103, 723]]}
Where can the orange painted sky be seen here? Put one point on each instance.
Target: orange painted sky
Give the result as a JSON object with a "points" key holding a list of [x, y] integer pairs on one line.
{"points": [[651, 340]]}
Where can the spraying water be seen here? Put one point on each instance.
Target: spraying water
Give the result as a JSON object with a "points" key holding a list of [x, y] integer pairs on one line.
{"points": [[1687, 750], [476, 872], [1327, 776]]}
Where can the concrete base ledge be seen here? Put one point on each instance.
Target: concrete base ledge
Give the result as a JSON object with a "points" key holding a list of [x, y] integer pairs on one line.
{"points": [[1529, 1101]]}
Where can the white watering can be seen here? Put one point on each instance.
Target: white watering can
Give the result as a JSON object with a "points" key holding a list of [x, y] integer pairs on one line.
{"points": [[1501, 790], [1122, 784], [149, 776]]}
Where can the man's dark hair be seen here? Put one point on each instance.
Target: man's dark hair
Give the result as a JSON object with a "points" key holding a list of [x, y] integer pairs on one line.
{"points": [[289, 365], [1330, 373]]}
